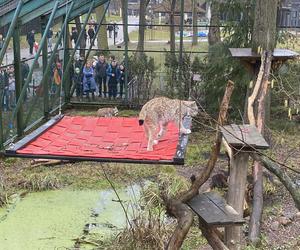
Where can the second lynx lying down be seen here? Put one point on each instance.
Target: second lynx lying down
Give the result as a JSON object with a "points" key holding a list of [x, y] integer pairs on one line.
{"points": [[107, 112], [158, 112]]}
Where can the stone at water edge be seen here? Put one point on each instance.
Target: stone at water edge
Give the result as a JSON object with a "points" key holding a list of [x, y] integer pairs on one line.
{"points": [[296, 216], [284, 221], [275, 225]]}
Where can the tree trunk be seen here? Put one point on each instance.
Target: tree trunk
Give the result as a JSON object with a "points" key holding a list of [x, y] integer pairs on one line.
{"points": [[125, 31], [195, 22], [172, 28], [264, 29], [82, 41], [214, 34], [102, 41], [264, 37], [142, 27]]}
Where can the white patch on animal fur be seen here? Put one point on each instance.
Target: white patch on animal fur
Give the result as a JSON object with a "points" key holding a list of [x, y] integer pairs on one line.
{"points": [[107, 112]]}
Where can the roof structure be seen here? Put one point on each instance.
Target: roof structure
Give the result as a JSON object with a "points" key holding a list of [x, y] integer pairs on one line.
{"points": [[116, 139], [247, 54], [32, 9]]}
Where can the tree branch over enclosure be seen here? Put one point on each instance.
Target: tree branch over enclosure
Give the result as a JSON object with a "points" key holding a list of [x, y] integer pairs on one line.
{"points": [[263, 38], [282, 176], [176, 206]]}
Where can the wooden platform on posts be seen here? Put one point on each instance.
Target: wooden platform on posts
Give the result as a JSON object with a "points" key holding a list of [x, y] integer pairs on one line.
{"points": [[213, 210]]}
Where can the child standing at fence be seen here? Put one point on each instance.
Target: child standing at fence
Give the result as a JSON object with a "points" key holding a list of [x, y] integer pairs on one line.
{"points": [[11, 91], [113, 73], [89, 84], [122, 79]]}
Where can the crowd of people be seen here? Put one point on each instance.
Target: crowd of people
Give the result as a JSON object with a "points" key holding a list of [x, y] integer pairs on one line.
{"points": [[102, 78]]}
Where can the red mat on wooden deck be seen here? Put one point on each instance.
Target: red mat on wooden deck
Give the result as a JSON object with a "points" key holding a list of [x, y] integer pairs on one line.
{"points": [[116, 138]]}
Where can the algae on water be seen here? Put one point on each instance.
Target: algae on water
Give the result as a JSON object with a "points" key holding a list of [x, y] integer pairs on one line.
{"points": [[54, 219]]}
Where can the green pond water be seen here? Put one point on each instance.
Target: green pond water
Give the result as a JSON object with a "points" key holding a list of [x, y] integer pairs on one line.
{"points": [[53, 219]]}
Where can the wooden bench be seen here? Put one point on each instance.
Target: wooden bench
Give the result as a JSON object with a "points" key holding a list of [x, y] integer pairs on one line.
{"points": [[213, 210]]}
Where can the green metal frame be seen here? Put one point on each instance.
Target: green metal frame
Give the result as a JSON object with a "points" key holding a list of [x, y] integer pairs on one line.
{"points": [[26, 84], [126, 48], [50, 10], [10, 30], [47, 70], [18, 76]]}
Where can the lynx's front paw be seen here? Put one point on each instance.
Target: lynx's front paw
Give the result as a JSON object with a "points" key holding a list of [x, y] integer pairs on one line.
{"points": [[185, 131]]}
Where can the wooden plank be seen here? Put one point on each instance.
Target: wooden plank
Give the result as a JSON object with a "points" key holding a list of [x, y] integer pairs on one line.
{"points": [[240, 136], [236, 195], [214, 210]]}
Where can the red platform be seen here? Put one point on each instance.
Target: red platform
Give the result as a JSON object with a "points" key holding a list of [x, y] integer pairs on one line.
{"points": [[101, 139]]}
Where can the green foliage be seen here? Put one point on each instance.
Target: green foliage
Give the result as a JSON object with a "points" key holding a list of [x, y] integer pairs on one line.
{"points": [[143, 68], [177, 85], [286, 83], [239, 22], [218, 66]]}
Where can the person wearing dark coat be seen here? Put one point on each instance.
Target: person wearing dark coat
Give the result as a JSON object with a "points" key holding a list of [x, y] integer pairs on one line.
{"points": [[113, 73], [101, 77], [31, 40], [24, 72], [91, 33], [49, 38], [122, 79], [4, 82]]}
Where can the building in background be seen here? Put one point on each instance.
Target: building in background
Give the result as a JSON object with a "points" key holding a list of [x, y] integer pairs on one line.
{"points": [[289, 14]]}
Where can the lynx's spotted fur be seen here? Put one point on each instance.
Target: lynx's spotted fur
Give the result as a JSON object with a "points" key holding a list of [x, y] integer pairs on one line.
{"points": [[158, 112], [107, 112]]}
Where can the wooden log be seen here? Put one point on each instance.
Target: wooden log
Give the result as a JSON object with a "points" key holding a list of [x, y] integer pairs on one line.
{"points": [[235, 196], [212, 235]]}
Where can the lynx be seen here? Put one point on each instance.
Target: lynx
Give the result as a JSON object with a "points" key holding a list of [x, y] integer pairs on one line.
{"points": [[158, 112], [107, 112]]}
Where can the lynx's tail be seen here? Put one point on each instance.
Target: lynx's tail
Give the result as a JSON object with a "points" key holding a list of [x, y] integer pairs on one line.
{"points": [[142, 117]]}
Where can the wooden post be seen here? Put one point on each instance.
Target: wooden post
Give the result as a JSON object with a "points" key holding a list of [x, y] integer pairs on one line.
{"points": [[239, 140], [236, 193]]}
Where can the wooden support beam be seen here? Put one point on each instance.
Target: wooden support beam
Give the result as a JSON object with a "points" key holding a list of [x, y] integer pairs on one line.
{"points": [[236, 194]]}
